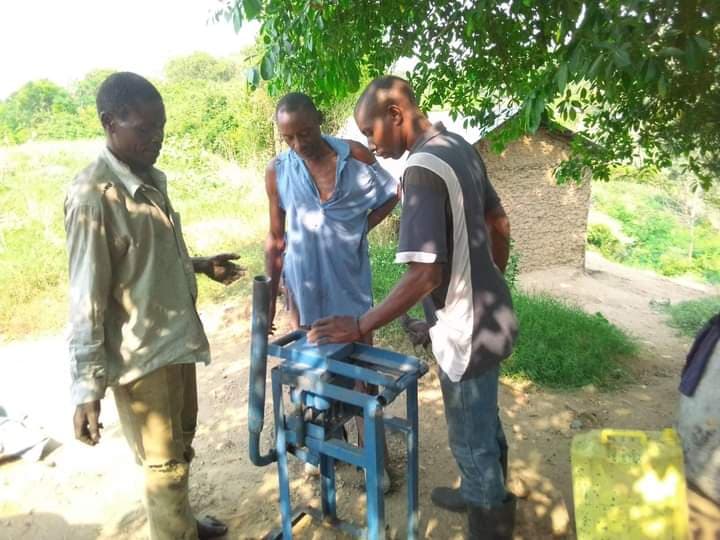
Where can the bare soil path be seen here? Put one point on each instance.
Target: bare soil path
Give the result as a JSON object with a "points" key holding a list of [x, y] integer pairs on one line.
{"points": [[83, 493]]}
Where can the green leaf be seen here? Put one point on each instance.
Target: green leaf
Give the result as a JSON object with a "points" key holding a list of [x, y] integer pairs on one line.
{"points": [[662, 85], [670, 51], [701, 42], [538, 107], [651, 72], [575, 58], [237, 19], [252, 76], [595, 66], [621, 57], [267, 67], [561, 77], [693, 56], [469, 27], [252, 8]]}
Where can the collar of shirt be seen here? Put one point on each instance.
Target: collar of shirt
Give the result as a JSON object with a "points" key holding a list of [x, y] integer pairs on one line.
{"points": [[340, 147], [433, 131], [129, 179]]}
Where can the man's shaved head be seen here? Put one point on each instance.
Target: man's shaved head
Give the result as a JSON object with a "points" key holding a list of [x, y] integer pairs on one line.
{"points": [[388, 115], [384, 91]]}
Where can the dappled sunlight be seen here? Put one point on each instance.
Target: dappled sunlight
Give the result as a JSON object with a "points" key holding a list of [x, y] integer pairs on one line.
{"points": [[630, 482]]}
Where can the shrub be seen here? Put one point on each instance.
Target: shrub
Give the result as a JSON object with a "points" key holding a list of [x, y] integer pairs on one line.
{"points": [[200, 66], [690, 316], [602, 238]]}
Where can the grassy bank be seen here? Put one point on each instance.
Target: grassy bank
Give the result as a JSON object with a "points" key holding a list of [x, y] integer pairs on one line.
{"points": [[671, 233]]}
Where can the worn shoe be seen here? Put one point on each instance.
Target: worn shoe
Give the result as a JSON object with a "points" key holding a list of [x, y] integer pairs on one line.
{"points": [[210, 527], [449, 499], [492, 523]]}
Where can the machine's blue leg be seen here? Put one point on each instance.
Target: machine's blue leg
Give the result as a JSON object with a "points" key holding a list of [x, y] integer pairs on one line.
{"points": [[281, 447], [413, 465], [327, 487], [374, 466]]}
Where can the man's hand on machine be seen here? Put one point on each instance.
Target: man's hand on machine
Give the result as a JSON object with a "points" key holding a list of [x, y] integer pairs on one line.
{"points": [[335, 330]]}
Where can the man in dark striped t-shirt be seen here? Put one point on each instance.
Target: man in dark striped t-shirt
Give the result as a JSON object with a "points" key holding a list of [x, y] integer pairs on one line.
{"points": [[454, 237]]}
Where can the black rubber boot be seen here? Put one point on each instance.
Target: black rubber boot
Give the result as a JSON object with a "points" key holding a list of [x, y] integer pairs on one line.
{"points": [[492, 523], [449, 499]]}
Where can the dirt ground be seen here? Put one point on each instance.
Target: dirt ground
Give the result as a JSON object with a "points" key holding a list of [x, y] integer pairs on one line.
{"points": [[79, 493]]}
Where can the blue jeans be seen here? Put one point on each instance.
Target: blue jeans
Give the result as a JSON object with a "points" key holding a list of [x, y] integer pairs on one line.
{"points": [[476, 436]]}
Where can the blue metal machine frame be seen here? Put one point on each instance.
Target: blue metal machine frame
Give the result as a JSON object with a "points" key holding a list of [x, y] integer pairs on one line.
{"points": [[322, 381]]}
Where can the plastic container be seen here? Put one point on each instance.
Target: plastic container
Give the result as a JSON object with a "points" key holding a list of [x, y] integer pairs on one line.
{"points": [[629, 485]]}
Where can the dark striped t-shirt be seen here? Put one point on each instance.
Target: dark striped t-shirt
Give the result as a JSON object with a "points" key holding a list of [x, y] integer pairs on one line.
{"points": [[446, 194]]}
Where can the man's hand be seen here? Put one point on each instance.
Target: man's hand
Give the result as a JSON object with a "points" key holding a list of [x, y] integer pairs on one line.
{"points": [[220, 268], [87, 422], [335, 330]]}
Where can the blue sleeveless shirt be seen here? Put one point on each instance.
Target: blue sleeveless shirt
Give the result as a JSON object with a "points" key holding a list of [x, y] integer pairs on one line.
{"points": [[326, 265]]}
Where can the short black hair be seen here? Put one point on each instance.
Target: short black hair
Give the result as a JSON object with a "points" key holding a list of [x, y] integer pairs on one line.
{"points": [[122, 91], [379, 90], [297, 101]]}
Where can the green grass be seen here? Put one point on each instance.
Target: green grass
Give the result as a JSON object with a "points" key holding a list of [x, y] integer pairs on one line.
{"points": [[561, 346], [690, 316]]}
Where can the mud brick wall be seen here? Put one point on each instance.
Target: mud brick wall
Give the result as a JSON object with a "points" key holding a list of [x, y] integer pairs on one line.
{"points": [[548, 221]]}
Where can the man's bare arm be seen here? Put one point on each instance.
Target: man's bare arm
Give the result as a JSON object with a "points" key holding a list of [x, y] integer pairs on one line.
{"points": [[275, 241], [498, 226]]}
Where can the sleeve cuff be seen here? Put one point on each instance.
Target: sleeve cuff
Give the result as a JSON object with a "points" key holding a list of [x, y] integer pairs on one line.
{"points": [[87, 390], [402, 257]]}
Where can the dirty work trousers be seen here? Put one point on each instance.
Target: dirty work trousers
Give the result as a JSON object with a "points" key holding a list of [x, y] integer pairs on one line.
{"points": [[158, 414], [476, 436]]}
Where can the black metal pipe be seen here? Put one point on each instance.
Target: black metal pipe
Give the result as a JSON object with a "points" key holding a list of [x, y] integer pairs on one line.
{"points": [[258, 371]]}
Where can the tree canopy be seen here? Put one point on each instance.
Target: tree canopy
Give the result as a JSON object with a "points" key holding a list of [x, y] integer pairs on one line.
{"points": [[639, 78]]}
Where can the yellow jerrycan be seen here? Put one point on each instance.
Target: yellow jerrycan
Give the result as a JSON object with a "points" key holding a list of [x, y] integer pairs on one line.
{"points": [[629, 485]]}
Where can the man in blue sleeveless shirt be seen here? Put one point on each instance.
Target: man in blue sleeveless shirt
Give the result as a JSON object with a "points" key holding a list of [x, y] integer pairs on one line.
{"points": [[324, 194]]}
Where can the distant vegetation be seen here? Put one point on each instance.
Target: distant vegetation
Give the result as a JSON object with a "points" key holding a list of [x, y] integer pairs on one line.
{"points": [[208, 102], [667, 223], [210, 106]]}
